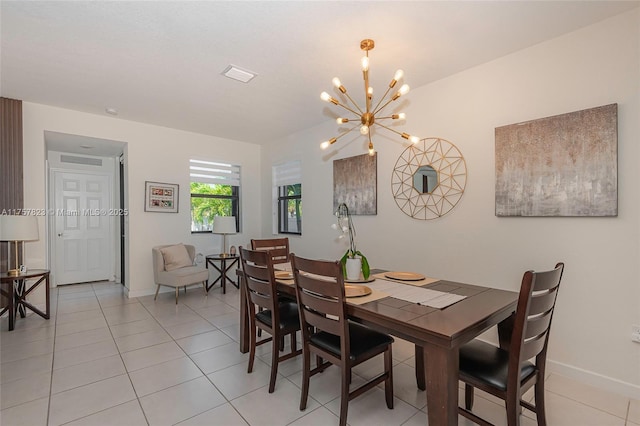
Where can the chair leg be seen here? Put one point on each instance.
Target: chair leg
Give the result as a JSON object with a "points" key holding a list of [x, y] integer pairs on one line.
{"points": [[185, 289], [513, 409], [293, 342], [468, 396], [157, 290], [252, 344], [319, 363], [344, 395], [306, 374], [204, 287], [388, 383], [539, 395], [177, 293], [274, 363]]}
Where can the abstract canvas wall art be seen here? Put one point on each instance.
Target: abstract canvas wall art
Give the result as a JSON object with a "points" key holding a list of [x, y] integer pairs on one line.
{"points": [[355, 183], [565, 165]]}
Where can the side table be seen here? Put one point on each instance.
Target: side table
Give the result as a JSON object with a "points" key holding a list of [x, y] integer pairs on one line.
{"points": [[226, 263], [16, 289]]}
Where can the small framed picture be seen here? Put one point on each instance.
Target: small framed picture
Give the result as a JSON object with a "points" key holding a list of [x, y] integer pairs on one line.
{"points": [[161, 197], [232, 250]]}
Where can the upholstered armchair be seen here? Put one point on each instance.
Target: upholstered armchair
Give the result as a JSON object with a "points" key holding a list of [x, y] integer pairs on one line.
{"points": [[173, 266]]}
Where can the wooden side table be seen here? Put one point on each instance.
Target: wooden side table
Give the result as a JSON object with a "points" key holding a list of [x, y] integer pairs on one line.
{"points": [[226, 263], [16, 289]]}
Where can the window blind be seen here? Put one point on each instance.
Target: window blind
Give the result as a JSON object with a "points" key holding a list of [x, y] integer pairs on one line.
{"points": [[210, 172], [289, 173]]}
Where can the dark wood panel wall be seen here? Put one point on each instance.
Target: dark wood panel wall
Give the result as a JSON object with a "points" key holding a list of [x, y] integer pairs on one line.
{"points": [[11, 164]]}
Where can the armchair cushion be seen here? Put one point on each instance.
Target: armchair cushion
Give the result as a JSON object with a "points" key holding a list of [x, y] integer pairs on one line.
{"points": [[175, 257]]}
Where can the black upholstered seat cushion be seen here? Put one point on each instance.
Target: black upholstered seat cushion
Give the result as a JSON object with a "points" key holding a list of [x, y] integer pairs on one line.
{"points": [[489, 364], [289, 319], [364, 341]]}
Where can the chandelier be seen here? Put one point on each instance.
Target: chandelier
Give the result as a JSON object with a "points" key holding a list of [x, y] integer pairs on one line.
{"points": [[370, 116]]}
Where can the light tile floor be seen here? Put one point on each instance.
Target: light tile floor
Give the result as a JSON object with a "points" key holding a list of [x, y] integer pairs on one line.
{"points": [[104, 359]]}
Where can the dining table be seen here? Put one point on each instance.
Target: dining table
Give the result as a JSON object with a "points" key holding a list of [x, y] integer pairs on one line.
{"points": [[437, 333]]}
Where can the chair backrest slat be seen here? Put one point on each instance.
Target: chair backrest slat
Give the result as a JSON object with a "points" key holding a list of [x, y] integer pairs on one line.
{"points": [[537, 326], [542, 302], [279, 248], [534, 346]]}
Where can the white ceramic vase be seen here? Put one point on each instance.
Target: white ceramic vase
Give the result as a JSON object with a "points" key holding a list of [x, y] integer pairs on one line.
{"points": [[354, 266]]}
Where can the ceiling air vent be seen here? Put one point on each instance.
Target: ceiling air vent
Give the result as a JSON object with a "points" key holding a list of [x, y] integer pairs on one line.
{"points": [[81, 160]]}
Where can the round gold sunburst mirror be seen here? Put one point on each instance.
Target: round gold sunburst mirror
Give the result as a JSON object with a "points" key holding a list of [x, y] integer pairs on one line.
{"points": [[429, 179]]}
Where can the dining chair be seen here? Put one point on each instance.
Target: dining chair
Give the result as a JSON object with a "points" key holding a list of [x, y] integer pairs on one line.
{"points": [[277, 318], [279, 249], [508, 371], [330, 336]]}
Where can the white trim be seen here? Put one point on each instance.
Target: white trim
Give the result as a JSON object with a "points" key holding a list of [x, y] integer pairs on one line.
{"points": [[594, 379]]}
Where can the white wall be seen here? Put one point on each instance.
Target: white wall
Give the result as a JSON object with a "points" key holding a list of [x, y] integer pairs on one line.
{"points": [[600, 295], [153, 153]]}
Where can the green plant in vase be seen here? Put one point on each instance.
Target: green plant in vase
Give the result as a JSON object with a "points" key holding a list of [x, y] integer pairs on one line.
{"points": [[345, 225]]}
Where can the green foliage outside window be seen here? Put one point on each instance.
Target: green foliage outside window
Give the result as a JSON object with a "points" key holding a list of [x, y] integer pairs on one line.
{"points": [[210, 200], [290, 209]]}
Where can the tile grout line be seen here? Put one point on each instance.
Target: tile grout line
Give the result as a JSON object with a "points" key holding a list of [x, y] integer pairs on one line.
{"points": [[53, 354], [144, 414]]}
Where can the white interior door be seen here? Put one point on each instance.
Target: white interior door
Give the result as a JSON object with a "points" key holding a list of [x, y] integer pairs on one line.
{"points": [[82, 227]]}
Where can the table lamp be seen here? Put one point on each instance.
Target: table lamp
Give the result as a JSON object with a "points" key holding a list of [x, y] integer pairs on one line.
{"points": [[16, 229], [224, 225]]}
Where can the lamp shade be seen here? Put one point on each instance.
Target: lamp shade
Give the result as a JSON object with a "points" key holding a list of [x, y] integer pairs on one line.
{"points": [[18, 228], [224, 225]]}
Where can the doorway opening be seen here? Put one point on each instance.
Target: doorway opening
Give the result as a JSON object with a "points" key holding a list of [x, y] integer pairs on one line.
{"points": [[87, 199]]}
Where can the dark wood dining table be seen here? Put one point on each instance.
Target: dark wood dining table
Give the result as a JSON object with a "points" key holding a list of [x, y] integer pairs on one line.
{"points": [[436, 333]]}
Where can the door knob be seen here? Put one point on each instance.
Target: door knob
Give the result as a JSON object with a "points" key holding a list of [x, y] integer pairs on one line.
{"points": [[60, 234]]}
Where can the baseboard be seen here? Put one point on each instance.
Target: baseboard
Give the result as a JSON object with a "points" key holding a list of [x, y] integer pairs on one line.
{"points": [[588, 377], [152, 291], [144, 292]]}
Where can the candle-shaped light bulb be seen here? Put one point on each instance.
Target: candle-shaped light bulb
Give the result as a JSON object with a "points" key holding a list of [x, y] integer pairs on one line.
{"points": [[398, 75], [325, 97], [364, 129], [414, 139], [404, 89], [336, 82], [324, 145], [402, 116], [341, 120], [365, 63], [371, 150]]}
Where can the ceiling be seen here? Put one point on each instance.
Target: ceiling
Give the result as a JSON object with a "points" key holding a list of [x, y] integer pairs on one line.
{"points": [[161, 62]]}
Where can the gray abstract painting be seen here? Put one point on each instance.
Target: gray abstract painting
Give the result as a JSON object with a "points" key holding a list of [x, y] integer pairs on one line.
{"points": [[565, 165], [355, 182]]}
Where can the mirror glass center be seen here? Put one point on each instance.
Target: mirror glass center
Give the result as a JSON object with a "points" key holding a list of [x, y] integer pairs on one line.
{"points": [[425, 179]]}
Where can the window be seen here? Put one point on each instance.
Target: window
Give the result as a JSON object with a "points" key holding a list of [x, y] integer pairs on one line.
{"points": [[215, 191], [288, 198]]}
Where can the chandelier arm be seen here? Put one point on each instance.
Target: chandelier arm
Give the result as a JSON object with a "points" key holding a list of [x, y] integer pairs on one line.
{"points": [[376, 110], [383, 106], [354, 104], [365, 74], [348, 131], [389, 128], [349, 109]]}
